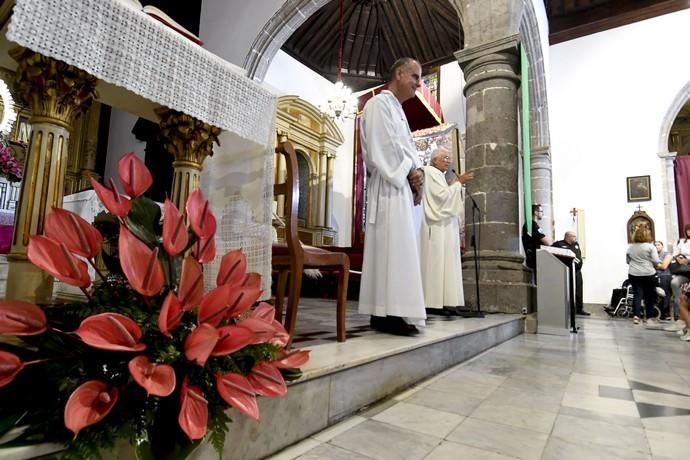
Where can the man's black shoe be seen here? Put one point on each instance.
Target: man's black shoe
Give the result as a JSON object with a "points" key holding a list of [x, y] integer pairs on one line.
{"points": [[392, 325], [440, 311], [583, 313]]}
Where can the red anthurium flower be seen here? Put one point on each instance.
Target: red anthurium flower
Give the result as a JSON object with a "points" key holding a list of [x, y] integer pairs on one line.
{"points": [[89, 404], [114, 202], [214, 305], [111, 331], [281, 338], [134, 175], [201, 219], [264, 311], [156, 379], [193, 417], [77, 234], [21, 318], [263, 330], [191, 289], [140, 264], [171, 314], [231, 339], [252, 280], [175, 237], [241, 299], [233, 267], [204, 250], [267, 380], [200, 343], [54, 258], [292, 360], [10, 366], [236, 390]]}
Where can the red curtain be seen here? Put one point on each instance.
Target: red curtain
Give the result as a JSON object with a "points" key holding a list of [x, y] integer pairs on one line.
{"points": [[682, 173]]}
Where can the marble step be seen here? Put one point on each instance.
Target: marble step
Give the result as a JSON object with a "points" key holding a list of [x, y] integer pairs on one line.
{"points": [[343, 378]]}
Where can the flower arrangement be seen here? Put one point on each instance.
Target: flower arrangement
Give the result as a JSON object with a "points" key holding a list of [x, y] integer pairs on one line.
{"points": [[9, 167], [149, 357]]}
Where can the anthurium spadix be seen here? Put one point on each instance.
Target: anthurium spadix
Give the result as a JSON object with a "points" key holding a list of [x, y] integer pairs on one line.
{"points": [[89, 404], [77, 234], [54, 257], [140, 264], [134, 175], [21, 318]]}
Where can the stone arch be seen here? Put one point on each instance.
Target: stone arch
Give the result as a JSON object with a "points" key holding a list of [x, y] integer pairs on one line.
{"points": [[291, 15], [668, 178]]}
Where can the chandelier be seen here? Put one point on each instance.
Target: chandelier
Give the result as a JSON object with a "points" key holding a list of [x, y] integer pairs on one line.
{"points": [[340, 104]]}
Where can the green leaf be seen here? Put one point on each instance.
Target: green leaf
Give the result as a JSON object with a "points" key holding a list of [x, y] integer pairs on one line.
{"points": [[218, 426], [9, 422], [144, 220], [143, 451]]}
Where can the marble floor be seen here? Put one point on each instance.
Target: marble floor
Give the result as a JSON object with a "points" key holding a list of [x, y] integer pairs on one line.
{"points": [[613, 391]]}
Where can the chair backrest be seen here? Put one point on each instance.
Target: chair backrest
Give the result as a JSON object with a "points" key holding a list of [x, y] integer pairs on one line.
{"points": [[289, 189]]}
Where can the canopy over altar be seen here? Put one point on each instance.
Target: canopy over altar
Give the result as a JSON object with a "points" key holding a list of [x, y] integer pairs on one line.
{"points": [[143, 66]]}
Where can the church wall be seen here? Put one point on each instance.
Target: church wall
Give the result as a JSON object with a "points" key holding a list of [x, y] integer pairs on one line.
{"points": [[609, 93], [229, 27], [120, 141], [452, 100]]}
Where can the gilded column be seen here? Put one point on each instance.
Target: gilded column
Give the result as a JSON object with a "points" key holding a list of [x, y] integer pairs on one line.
{"points": [[56, 93], [322, 203], [329, 190], [190, 141]]}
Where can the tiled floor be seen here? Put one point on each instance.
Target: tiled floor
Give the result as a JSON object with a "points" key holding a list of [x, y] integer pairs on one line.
{"points": [[614, 391]]}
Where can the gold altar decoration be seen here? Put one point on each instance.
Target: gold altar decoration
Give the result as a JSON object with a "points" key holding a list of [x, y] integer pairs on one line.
{"points": [[55, 93], [190, 141]]}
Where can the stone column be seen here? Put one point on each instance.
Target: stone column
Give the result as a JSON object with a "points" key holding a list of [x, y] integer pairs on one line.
{"points": [[491, 73], [541, 187], [56, 93], [322, 182], [190, 141], [670, 206], [329, 190]]}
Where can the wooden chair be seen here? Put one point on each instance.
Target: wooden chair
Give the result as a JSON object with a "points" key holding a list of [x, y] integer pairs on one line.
{"points": [[293, 257]]}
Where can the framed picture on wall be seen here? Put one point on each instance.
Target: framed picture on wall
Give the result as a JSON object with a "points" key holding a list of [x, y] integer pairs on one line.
{"points": [[639, 188]]}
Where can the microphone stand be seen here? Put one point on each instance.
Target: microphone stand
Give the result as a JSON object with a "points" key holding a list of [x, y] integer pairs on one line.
{"points": [[475, 244]]}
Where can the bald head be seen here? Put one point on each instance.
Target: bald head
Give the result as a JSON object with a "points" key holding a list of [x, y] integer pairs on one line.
{"points": [[570, 237]]}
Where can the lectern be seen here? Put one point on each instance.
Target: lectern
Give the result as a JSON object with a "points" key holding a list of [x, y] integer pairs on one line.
{"points": [[555, 291]]}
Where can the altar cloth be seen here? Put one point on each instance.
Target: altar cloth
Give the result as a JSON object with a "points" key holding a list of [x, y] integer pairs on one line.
{"points": [[125, 47]]}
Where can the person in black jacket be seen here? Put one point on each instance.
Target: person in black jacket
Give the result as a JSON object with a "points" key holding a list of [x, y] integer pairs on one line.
{"points": [[569, 241], [530, 243]]}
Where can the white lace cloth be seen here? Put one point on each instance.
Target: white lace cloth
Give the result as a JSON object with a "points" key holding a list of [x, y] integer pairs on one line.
{"points": [[121, 45]]}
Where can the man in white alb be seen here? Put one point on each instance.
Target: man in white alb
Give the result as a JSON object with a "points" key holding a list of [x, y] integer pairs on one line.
{"points": [[391, 287], [440, 235]]}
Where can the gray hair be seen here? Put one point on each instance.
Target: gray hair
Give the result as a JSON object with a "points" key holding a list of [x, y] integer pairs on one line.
{"points": [[438, 152], [398, 64]]}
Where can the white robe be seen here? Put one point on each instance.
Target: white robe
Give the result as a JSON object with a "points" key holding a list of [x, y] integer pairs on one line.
{"points": [[439, 241], [391, 277]]}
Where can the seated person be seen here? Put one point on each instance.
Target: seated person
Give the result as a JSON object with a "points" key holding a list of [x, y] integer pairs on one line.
{"points": [[443, 201]]}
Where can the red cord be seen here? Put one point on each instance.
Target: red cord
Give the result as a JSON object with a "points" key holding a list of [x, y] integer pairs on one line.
{"points": [[340, 47]]}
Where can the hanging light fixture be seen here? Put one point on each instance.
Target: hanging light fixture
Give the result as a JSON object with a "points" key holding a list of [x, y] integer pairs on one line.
{"points": [[340, 103]]}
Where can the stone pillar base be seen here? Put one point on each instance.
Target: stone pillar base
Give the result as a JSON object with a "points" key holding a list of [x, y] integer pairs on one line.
{"points": [[504, 283]]}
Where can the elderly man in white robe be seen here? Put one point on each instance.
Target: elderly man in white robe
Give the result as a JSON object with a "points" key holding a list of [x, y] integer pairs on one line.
{"points": [[391, 286], [439, 240]]}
